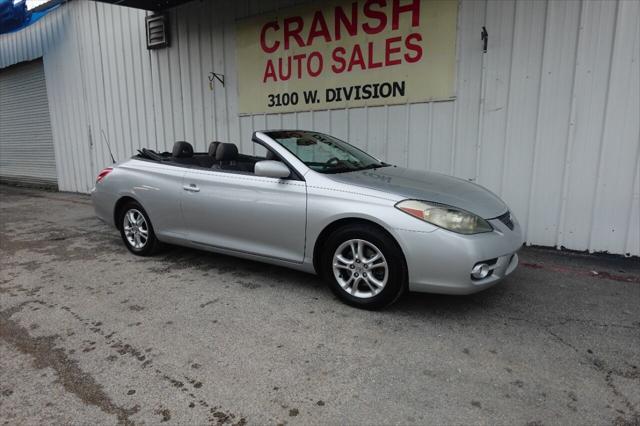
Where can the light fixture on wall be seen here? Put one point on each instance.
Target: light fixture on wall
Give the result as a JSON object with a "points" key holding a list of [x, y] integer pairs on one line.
{"points": [[157, 31]]}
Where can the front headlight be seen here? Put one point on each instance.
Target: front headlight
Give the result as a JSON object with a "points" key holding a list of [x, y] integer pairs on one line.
{"points": [[447, 217]]}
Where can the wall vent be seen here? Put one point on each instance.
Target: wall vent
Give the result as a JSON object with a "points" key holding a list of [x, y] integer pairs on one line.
{"points": [[157, 31]]}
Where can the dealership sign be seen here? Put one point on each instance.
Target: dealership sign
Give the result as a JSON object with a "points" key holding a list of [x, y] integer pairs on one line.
{"points": [[339, 54]]}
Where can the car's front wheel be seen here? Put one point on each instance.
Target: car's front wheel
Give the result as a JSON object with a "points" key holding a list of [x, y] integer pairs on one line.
{"points": [[136, 230], [364, 266]]}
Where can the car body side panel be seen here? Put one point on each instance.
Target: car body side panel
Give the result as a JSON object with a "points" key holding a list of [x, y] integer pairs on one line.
{"points": [[246, 213], [329, 201], [157, 187], [103, 204]]}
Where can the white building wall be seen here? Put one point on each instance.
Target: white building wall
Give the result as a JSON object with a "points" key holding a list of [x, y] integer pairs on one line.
{"points": [[548, 118]]}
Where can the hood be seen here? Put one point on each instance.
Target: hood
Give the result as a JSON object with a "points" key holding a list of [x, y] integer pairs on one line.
{"points": [[427, 186]]}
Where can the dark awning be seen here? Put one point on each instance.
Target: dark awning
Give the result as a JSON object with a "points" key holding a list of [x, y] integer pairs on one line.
{"points": [[154, 5]]}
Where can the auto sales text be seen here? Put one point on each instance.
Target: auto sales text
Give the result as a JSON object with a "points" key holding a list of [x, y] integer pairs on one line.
{"points": [[278, 36]]}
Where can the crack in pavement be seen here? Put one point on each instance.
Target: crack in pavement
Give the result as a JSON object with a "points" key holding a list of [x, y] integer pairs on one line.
{"points": [[600, 366], [46, 355], [42, 349], [144, 359], [552, 321], [560, 339]]}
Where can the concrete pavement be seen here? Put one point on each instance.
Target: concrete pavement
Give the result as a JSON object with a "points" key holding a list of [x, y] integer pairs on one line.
{"points": [[92, 334]]}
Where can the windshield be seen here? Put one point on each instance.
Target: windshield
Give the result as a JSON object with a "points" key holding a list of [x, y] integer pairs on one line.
{"points": [[324, 153]]}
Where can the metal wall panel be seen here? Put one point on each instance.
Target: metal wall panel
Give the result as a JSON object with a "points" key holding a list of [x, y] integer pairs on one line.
{"points": [[553, 120], [619, 148], [26, 142], [547, 118], [591, 89]]}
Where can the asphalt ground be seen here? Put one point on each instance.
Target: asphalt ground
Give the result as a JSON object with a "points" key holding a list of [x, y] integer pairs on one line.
{"points": [[90, 334]]}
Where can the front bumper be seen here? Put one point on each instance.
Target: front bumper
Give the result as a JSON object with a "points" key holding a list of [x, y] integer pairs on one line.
{"points": [[441, 261]]}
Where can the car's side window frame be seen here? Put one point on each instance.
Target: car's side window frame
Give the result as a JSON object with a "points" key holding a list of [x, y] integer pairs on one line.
{"points": [[295, 175], [228, 171]]}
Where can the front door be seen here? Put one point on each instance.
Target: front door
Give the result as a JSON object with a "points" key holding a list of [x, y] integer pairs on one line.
{"points": [[246, 213]]}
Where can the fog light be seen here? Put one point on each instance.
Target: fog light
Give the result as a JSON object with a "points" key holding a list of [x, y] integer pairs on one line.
{"points": [[480, 271]]}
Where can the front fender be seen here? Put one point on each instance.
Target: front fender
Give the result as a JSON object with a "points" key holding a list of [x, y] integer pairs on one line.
{"points": [[326, 206]]}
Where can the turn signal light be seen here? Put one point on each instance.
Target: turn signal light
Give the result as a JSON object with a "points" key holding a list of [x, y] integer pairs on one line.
{"points": [[103, 174]]}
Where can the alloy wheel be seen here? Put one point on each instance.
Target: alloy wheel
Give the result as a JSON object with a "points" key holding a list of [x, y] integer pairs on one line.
{"points": [[136, 229], [360, 268]]}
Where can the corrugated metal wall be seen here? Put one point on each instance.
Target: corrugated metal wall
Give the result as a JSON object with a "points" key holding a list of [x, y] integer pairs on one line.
{"points": [[547, 118]]}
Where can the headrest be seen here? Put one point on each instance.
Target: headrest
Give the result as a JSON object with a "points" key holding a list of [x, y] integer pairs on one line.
{"points": [[271, 156], [213, 146], [182, 149], [227, 152]]}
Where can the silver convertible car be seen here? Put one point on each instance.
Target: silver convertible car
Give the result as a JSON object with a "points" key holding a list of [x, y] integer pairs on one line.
{"points": [[314, 203]]}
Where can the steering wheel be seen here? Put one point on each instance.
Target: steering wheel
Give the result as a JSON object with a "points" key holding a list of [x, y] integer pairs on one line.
{"points": [[331, 160]]}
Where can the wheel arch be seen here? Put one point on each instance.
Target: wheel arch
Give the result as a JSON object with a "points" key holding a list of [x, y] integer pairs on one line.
{"points": [[118, 207], [344, 221]]}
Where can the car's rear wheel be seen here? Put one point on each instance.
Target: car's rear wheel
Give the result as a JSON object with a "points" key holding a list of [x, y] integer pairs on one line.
{"points": [[136, 230], [364, 266]]}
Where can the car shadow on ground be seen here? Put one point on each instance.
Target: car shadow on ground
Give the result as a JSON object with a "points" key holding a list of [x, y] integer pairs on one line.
{"points": [[292, 280]]}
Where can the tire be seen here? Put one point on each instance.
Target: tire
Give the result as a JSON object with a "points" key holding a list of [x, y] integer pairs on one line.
{"points": [[139, 245], [360, 281]]}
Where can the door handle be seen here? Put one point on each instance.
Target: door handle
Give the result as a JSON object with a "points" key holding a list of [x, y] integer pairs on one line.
{"points": [[191, 188]]}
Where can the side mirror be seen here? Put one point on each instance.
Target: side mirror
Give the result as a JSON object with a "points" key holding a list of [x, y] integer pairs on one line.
{"points": [[271, 168]]}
